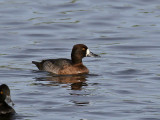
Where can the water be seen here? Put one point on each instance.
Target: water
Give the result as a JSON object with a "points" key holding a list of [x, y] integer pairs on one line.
{"points": [[122, 85]]}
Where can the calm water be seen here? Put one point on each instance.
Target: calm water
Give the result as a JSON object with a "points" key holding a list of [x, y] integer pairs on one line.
{"points": [[124, 84]]}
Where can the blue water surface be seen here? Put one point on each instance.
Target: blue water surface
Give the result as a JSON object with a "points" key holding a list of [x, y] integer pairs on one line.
{"points": [[122, 85]]}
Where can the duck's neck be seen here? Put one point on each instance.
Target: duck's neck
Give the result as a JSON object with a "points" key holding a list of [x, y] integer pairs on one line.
{"points": [[76, 60]]}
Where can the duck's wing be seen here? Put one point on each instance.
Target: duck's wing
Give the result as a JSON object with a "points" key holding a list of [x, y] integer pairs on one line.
{"points": [[52, 65]]}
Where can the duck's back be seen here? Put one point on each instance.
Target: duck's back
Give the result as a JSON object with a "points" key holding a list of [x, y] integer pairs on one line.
{"points": [[61, 62]]}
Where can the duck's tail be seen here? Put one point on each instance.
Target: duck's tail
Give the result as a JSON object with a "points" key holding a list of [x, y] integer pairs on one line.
{"points": [[38, 64]]}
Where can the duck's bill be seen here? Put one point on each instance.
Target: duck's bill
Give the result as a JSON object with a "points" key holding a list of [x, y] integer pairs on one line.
{"points": [[90, 54], [9, 101]]}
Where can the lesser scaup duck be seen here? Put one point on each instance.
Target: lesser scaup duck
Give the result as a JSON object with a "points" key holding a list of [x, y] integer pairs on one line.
{"points": [[5, 109], [64, 66]]}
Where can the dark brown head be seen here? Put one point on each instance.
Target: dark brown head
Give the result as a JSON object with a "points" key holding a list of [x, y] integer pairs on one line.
{"points": [[5, 94], [80, 51]]}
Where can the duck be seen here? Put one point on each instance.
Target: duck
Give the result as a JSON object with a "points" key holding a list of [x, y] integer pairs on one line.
{"points": [[64, 66], [5, 98]]}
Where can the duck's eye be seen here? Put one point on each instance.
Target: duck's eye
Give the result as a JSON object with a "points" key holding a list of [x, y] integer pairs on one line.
{"points": [[1, 92], [83, 49]]}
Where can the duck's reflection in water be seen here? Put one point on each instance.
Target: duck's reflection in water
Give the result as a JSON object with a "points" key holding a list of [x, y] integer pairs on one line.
{"points": [[75, 81], [78, 85]]}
